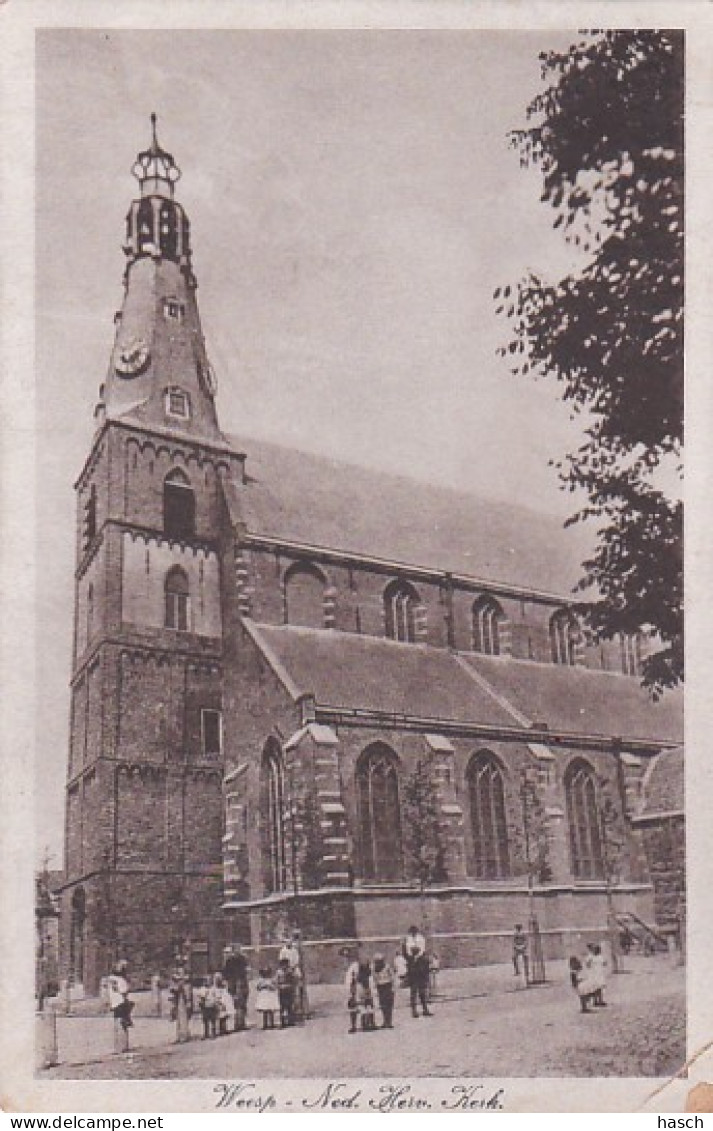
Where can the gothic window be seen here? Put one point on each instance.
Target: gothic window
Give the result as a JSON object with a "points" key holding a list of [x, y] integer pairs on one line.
{"points": [[583, 817], [177, 600], [178, 403], [630, 644], [377, 781], [487, 619], [90, 518], [486, 790], [401, 601], [179, 506], [273, 816], [304, 595], [564, 637], [211, 733]]}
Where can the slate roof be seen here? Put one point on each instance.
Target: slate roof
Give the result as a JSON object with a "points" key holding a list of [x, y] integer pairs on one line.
{"points": [[348, 670], [663, 787], [344, 669], [305, 498], [582, 700]]}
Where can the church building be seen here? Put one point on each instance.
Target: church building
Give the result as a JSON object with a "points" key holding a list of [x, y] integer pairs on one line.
{"points": [[307, 695]]}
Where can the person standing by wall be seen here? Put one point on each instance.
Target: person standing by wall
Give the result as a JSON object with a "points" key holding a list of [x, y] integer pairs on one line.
{"points": [[414, 951], [520, 955]]}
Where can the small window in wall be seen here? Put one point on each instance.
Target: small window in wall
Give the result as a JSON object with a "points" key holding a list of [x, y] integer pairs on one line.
{"points": [[177, 600], [304, 595], [179, 506], [487, 619], [211, 733], [178, 403], [564, 637], [173, 309], [630, 644], [401, 600]]}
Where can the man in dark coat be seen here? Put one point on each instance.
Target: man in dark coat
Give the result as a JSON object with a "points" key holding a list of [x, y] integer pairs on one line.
{"points": [[235, 972], [417, 970]]}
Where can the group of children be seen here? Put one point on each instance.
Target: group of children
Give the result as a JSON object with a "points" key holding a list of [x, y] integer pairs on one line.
{"points": [[216, 1006], [366, 983], [281, 994], [589, 977]]}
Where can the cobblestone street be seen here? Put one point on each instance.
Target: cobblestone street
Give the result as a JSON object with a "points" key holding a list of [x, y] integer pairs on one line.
{"points": [[482, 1027]]}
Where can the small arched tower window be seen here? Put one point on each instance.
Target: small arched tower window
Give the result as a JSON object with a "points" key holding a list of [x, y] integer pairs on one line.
{"points": [[272, 809], [90, 611], [630, 644], [486, 791], [583, 817], [401, 604], [488, 617], [304, 595], [565, 635], [377, 782], [179, 506], [177, 593]]}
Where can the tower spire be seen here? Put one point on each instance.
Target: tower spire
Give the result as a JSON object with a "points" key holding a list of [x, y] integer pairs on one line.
{"points": [[159, 374]]}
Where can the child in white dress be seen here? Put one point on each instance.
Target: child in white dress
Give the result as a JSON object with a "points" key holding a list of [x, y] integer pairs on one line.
{"points": [[267, 1002]]}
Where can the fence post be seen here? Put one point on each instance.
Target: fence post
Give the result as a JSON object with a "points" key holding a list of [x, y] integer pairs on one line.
{"points": [[156, 994], [48, 1051]]}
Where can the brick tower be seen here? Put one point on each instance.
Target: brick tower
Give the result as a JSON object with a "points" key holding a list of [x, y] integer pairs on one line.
{"points": [[143, 804]]}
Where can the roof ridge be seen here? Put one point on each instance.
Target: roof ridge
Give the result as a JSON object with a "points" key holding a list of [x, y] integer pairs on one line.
{"points": [[500, 699]]}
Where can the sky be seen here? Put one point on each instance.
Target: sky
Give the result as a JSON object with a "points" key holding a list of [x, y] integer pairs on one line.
{"points": [[354, 202]]}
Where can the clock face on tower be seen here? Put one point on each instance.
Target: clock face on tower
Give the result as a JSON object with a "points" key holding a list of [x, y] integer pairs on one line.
{"points": [[132, 358]]}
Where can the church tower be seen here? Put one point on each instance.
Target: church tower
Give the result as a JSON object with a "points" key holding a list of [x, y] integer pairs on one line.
{"points": [[144, 792]]}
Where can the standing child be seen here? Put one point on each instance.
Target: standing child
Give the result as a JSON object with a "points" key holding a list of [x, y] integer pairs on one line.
{"points": [[285, 992], [208, 1005], [384, 982], [365, 997], [599, 973], [584, 983], [266, 1000], [352, 988]]}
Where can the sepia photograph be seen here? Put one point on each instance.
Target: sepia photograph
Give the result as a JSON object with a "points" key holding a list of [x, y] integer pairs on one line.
{"points": [[359, 537]]}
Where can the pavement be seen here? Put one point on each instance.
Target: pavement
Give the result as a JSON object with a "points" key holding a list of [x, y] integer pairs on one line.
{"points": [[484, 1025]]}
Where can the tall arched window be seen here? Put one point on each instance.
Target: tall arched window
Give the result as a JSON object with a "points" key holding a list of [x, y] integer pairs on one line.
{"points": [[564, 637], [487, 619], [583, 817], [177, 595], [401, 601], [304, 595], [90, 611], [377, 781], [487, 816], [179, 506], [630, 644], [273, 818]]}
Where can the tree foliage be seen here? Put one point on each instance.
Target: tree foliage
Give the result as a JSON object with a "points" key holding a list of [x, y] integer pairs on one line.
{"points": [[607, 137], [531, 835], [423, 838]]}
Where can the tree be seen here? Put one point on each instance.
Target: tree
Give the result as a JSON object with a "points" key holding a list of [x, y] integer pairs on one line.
{"points": [[607, 137], [424, 849]]}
